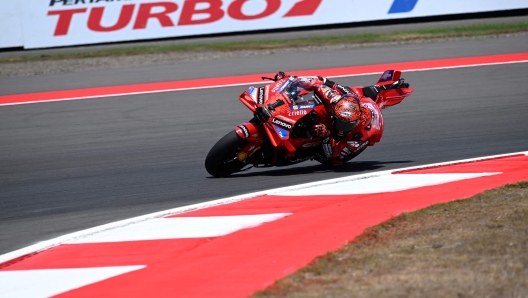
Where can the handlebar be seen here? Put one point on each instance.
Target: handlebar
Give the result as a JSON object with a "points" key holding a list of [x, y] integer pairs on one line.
{"points": [[277, 77], [396, 85]]}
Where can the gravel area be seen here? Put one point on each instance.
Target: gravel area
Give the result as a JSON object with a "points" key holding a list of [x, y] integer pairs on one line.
{"points": [[24, 69]]}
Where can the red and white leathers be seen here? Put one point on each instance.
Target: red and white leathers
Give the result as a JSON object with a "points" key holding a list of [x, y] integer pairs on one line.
{"points": [[340, 147]]}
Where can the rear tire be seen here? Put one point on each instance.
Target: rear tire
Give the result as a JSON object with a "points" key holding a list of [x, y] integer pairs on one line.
{"points": [[222, 161]]}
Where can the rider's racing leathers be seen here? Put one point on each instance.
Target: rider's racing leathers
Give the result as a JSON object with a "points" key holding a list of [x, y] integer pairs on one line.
{"points": [[340, 147]]}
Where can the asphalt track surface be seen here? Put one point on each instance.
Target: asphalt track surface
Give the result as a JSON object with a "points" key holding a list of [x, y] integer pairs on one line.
{"points": [[71, 165]]}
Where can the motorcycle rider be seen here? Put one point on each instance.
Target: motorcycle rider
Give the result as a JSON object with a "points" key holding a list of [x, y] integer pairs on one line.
{"points": [[353, 120]]}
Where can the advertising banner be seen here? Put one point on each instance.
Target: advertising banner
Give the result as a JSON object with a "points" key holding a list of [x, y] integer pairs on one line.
{"points": [[52, 23], [10, 24]]}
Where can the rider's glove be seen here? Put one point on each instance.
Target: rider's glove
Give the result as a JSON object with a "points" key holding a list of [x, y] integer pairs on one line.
{"points": [[372, 91], [321, 131], [396, 85], [279, 75]]}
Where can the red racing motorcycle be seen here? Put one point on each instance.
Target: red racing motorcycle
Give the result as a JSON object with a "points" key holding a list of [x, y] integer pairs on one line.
{"points": [[281, 131]]}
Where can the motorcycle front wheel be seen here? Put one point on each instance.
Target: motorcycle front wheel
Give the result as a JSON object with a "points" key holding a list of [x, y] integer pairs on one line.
{"points": [[222, 159]]}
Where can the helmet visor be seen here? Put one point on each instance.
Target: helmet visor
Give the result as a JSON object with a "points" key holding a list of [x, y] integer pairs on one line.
{"points": [[344, 126]]}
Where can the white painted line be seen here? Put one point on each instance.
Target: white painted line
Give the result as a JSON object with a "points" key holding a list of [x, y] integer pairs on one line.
{"points": [[436, 68], [85, 233], [181, 227], [132, 93], [253, 83], [50, 282], [387, 183]]}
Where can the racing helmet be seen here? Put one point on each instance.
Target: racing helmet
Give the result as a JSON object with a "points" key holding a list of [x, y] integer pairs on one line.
{"points": [[347, 112]]}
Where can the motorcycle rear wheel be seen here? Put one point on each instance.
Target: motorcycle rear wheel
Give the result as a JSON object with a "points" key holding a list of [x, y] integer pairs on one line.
{"points": [[222, 159]]}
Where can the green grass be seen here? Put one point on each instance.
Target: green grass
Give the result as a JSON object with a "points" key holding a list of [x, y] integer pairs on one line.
{"points": [[403, 36], [522, 184]]}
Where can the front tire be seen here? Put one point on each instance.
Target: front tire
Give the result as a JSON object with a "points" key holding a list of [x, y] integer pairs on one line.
{"points": [[222, 159]]}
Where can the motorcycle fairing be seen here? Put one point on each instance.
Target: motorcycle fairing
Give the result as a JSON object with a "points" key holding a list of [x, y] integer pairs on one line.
{"points": [[390, 97], [286, 84], [250, 131], [283, 133], [281, 112], [302, 107], [250, 97], [306, 144], [389, 77], [254, 134], [248, 151]]}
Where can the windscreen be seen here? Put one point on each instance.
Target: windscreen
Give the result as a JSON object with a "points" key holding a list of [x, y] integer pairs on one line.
{"points": [[297, 93]]}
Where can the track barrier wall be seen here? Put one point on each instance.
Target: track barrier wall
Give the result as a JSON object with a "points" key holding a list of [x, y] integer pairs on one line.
{"points": [[54, 23]]}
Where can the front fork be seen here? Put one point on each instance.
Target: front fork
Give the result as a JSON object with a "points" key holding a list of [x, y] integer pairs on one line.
{"points": [[252, 132]]}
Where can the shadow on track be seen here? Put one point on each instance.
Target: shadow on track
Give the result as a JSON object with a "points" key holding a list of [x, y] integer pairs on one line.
{"points": [[350, 167]]}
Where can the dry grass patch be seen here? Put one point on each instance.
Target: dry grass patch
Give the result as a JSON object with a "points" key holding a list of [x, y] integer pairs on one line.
{"points": [[469, 248]]}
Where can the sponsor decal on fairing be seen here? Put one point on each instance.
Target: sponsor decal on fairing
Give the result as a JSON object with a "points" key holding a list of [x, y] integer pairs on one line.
{"points": [[281, 123], [244, 130], [283, 134], [278, 85], [260, 97], [301, 107], [297, 113], [310, 145], [285, 85], [252, 92]]}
